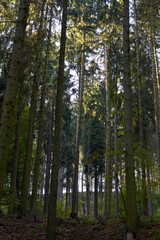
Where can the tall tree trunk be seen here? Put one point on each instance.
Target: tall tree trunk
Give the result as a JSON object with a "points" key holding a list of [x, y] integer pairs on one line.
{"points": [[95, 192], [150, 208], [108, 178], [12, 207], [141, 125], [131, 207], [60, 184], [41, 119], [87, 192], [115, 147], [82, 184], [80, 101], [156, 93], [86, 166], [68, 187], [11, 89], [29, 145], [48, 164], [51, 225], [116, 166]]}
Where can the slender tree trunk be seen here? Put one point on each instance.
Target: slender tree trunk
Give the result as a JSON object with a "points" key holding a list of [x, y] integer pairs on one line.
{"points": [[68, 187], [86, 167], [156, 94], [150, 208], [82, 184], [116, 167], [87, 193], [81, 88], [48, 164], [12, 207], [60, 184], [11, 89], [29, 145], [41, 120], [95, 193], [131, 207], [51, 225], [108, 178], [141, 128], [115, 147]]}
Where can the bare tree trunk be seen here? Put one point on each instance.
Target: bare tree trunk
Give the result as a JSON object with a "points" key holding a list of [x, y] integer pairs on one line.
{"points": [[141, 128], [108, 178], [60, 184], [81, 88], [95, 192], [131, 207], [12, 209], [150, 208], [48, 164], [156, 94], [11, 89], [116, 167], [29, 145], [51, 224], [41, 120]]}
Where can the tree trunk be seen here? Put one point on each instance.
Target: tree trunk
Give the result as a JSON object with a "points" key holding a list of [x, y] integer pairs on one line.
{"points": [[68, 187], [131, 207], [87, 193], [86, 166], [141, 128], [29, 145], [95, 193], [60, 184], [156, 94], [116, 167], [80, 101], [11, 89], [150, 208], [12, 207], [51, 225], [108, 178], [48, 164], [41, 120]]}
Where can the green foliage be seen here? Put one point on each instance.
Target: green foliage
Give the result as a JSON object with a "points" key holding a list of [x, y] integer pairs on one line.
{"points": [[62, 211]]}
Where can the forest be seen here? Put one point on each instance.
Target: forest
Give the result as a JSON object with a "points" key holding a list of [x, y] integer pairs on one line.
{"points": [[80, 119]]}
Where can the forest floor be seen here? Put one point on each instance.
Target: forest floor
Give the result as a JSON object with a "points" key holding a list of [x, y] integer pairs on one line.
{"points": [[103, 229]]}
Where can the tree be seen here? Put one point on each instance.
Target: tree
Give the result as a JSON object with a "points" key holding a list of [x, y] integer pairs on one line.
{"points": [[41, 119], [11, 89], [141, 116], [51, 224], [131, 207], [29, 144]]}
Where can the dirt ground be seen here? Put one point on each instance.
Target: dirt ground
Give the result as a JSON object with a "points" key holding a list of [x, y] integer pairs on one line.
{"points": [[104, 229]]}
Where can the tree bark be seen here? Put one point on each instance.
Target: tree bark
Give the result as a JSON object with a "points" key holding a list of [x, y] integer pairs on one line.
{"points": [[108, 178], [80, 101], [95, 193], [12, 207], [156, 93], [150, 208], [51, 224], [29, 145], [131, 207], [60, 184], [116, 166], [48, 164], [11, 89], [141, 117], [41, 119]]}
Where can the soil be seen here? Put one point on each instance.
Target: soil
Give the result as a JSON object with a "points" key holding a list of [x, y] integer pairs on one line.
{"points": [[103, 229]]}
